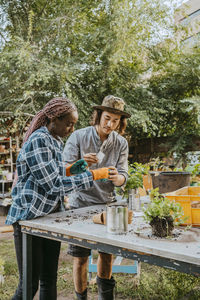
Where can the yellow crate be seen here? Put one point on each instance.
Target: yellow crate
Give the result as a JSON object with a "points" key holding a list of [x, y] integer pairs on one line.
{"points": [[189, 199], [147, 182]]}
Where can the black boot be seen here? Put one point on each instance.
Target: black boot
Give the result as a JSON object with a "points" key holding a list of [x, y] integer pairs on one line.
{"points": [[105, 288], [82, 296]]}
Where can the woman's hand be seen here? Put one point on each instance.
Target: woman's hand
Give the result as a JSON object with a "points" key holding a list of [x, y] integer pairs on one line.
{"points": [[91, 158], [116, 178], [77, 167]]}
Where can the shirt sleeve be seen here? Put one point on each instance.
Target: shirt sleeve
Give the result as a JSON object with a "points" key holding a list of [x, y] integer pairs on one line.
{"points": [[122, 163], [71, 151], [45, 170]]}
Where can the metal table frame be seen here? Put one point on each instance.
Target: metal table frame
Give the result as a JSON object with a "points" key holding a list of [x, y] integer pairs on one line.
{"points": [[41, 230]]}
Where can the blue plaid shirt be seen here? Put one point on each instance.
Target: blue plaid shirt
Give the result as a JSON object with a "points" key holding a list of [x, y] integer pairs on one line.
{"points": [[41, 180]]}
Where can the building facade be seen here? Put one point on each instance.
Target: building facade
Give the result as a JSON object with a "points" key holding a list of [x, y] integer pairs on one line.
{"points": [[188, 16]]}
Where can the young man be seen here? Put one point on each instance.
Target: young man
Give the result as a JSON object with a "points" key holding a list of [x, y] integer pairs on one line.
{"points": [[101, 145]]}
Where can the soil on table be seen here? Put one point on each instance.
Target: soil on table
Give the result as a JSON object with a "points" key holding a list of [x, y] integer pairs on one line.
{"points": [[162, 227]]}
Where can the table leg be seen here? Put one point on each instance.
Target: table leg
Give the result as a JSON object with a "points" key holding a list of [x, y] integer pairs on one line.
{"points": [[27, 266]]}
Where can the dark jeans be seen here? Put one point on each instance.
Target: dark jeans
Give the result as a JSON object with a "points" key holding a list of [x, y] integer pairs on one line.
{"points": [[45, 255]]}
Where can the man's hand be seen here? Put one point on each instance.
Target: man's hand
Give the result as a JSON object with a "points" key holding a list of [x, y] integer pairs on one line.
{"points": [[91, 158], [116, 178]]}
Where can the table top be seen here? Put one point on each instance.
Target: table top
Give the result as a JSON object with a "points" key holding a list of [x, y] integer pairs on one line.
{"points": [[78, 223]]}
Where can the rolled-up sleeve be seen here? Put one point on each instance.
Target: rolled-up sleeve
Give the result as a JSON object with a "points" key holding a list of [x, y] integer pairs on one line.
{"points": [[71, 151], [122, 163]]}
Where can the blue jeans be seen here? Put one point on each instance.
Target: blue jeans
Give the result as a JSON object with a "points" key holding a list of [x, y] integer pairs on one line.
{"points": [[45, 255]]}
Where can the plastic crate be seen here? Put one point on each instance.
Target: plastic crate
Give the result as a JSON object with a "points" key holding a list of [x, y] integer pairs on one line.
{"points": [[147, 182], [189, 199]]}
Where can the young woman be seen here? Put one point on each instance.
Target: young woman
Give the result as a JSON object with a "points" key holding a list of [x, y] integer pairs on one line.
{"points": [[100, 145], [40, 187]]}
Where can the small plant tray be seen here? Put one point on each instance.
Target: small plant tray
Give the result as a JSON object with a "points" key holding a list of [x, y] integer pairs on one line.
{"points": [[189, 199]]}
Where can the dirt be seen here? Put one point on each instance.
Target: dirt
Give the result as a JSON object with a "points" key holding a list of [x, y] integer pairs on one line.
{"points": [[162, 227], [138, 227], [74, 216]]}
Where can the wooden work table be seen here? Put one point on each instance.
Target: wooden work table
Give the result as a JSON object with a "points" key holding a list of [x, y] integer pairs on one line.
{"points": [[76, 227]]}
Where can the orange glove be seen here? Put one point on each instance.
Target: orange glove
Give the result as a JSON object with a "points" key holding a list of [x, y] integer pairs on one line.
{"points": [[100, 173]]}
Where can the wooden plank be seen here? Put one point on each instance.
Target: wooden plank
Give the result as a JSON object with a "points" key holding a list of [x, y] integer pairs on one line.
{"points": [[4, 229]]}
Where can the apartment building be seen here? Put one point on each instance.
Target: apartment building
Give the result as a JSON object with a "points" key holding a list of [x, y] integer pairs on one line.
{"points": [[188, 15]]}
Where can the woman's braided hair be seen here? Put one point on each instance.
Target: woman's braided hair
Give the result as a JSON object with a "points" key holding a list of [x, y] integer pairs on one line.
{"points": [[54, 108]]}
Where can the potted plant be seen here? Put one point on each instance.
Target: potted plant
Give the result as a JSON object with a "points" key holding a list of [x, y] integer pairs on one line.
{"points": [[162, 214], [135, 179], [165, 178]]}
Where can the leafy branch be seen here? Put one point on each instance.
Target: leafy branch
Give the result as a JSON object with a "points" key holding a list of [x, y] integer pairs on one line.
{"points": [[135, 178]]}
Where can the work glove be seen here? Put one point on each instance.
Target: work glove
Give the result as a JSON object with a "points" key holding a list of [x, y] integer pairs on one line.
{"points": [[101, 173], [78, 167], [103, 180]]}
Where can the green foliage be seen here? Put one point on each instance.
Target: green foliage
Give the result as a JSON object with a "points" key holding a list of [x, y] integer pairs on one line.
{"points": [[14, 123], [1, 266], [194, 170], [138, 168], [88, 49], [192, 105], [135, 178], [157, 164], [162, 207]]}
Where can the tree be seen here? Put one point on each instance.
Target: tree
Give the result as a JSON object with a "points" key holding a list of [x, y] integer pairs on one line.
{"points": [[72, 48], [88, 49]]}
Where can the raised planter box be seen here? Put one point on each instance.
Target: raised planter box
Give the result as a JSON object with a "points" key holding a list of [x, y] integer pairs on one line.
{"points": [[170, 181], [189, 199]]}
